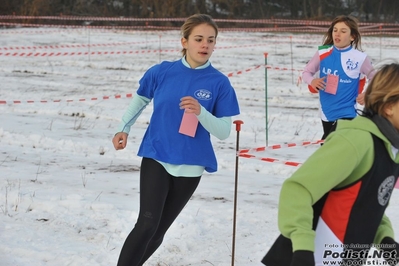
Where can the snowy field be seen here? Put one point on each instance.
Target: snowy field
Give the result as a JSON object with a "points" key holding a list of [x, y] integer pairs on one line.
{"points": [[68, 198]]}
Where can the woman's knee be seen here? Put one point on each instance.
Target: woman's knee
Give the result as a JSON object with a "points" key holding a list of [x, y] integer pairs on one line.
{"points": [[146, 226]]}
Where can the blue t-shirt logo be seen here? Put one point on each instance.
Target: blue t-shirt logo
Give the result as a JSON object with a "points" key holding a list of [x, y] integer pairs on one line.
{"points": [[203, 94]]}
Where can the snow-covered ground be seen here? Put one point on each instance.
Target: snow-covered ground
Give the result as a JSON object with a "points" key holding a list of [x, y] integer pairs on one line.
{"points": [[68, 198]]}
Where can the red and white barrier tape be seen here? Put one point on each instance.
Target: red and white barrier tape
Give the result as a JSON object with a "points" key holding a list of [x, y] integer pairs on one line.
{"points": [[256, 21], [270, 160], [65, 29], [281, 146], [265, 40], [289, 163], [263, 66], [60, 54], [130, 95], [305, 29], [243, 71], [150, 27], [68, 46], [87, 18], [87, 26], [119, 96], [94, 45]]}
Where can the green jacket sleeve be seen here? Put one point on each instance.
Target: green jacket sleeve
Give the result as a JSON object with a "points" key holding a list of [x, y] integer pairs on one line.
{"points": [[385, 229], [344, 158]]}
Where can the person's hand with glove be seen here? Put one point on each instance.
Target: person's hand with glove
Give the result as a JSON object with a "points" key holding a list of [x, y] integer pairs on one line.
{"points": [[391, 250], [303, 258]]}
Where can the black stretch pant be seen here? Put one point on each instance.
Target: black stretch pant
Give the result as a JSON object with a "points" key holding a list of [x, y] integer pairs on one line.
{"points": [[329, 127], [162, 197]]}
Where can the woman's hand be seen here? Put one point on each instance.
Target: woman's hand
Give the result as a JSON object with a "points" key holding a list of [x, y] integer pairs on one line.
{"points": [[190, 105], [360, 98], [120, 140], [318, 83], [302, 258], [391, 250]]}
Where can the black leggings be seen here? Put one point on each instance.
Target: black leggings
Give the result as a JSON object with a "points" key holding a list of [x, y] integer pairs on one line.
{"points": [[162, 197], [329, 127]]}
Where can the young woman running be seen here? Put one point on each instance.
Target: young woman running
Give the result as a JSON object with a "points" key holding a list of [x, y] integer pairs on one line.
{"points": [[340, 63], [175, 155]]}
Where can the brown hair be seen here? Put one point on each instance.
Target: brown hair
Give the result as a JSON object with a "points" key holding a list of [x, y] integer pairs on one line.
{"points": [[383, 89], [349, 21], [194, 21]]}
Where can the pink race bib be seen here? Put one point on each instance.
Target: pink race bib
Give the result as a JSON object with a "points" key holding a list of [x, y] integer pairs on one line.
{"points": [[332, 84], [188, 125]]}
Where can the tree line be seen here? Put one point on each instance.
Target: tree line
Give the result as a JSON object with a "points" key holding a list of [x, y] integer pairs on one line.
{"points": [[365, 10]]}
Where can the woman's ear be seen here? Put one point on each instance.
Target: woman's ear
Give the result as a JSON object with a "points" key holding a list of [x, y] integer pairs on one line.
{"points": [[388, 110], [183, 42]]}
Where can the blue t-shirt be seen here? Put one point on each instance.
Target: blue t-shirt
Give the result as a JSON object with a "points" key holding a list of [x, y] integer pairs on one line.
{"points": [[345, 64], [166, 83]]}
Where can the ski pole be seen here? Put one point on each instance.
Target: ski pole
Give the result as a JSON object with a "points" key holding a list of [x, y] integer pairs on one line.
{"points": [[238, 129]]}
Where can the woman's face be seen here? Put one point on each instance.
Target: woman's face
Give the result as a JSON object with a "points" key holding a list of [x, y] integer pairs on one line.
{"points": [[199, 45], [392, 114], [341, 35]]}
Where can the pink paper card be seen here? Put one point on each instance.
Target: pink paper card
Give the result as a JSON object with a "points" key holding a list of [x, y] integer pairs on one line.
{"points": [[397, 184], [332, 84], [188, 125]]}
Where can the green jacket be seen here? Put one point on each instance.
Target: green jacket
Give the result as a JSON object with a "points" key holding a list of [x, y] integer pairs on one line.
{"points": [[345, 157]]}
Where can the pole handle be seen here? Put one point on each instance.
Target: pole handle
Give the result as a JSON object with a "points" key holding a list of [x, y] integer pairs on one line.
{"points": [[238, 124]]}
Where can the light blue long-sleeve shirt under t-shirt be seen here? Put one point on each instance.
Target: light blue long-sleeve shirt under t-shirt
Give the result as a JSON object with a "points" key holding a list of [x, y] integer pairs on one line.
{"points": [[218, 127]]}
